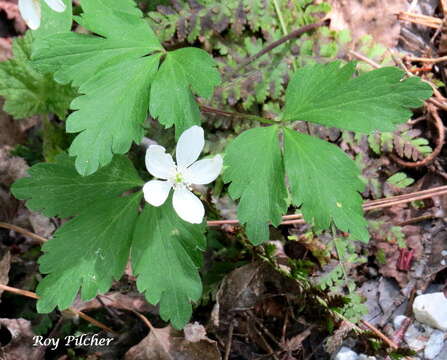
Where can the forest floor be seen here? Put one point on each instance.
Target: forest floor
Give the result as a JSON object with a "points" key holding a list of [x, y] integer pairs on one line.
{"points": [[252, 308]]}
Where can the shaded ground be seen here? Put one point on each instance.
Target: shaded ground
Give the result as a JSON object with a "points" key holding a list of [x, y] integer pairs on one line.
{"points": [[265, 302]]}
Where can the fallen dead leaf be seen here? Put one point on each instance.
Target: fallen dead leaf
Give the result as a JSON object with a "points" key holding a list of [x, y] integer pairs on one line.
{"points": [[368, 17], [5, 264], [20, 344], [11, 167], [5, 49], [11, 133], [134, 301], [170, 344], [12, 12]]}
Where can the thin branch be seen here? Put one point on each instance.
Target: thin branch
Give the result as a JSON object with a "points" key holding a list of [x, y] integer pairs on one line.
{"points": [[428, 60], [380, 334], [23, 232], [367, 206], [207, 109], [292, 35], [425, 20], [439, 143], [365, 59], [82, 315]]}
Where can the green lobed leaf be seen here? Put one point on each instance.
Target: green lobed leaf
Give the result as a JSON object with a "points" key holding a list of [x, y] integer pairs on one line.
{"points": [[56, 189], [112, 73], [166, 256], [256, 172], [73, 57], [325, 182], [87, 253], [377, 100], [27, 92], [53, 22], [111, 127], [183, 71]]}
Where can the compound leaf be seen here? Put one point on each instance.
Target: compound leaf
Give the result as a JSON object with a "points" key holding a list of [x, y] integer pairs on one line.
{"points": [[73, 57], [172, 100], [27, 92], [113, 73], [110, 128], [56, 189], [325, 182], [377, 100], [256, 172], [166, 255], [87, 253]]}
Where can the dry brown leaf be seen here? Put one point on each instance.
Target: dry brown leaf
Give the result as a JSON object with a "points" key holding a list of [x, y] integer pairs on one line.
{"points": [[11, 167], [368, 17], [12, 12], [5, 49], [170, 344], [134, 301], [11, 134], [5, 264], [20, 346]]}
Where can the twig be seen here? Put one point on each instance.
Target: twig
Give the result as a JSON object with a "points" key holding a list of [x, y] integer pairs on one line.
{"points": [[420, 19], [229, 341], [112, 311], [207, 109], [266, 344], [292, 35], [264, 329], [400, 333], [367, 206], [424, 59], [381, 335], [416, 220], [23, 232], [33, 295], [364, 58], [439, 143]]}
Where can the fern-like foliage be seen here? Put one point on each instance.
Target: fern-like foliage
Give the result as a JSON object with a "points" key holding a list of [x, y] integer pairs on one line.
{"points": [[237, 29], [406, 142]]}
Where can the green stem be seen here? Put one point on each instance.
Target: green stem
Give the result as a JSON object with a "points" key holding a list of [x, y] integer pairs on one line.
{"points": [[280, 17], [283, 25]]}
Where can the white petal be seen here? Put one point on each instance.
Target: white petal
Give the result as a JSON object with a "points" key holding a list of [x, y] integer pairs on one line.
{"points": [[30, 11], [188, 206], [158, 163], [56, 5], [204, 171], [156, 192], [189, 146]]}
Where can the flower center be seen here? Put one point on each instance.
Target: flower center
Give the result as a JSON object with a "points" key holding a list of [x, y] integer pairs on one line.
{"points": [[178, 178]]}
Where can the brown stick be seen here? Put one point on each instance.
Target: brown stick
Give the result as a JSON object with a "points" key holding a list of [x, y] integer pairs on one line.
{"points": [[367, 206], [23, 232], [82, 315], [420, 19], [381, 335], [439, 143], [428, 60], [292, 35]]}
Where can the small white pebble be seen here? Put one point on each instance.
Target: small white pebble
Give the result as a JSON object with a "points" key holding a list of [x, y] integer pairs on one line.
{"points": [[444, 252]]}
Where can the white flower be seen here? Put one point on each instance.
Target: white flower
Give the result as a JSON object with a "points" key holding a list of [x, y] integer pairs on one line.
{"points": [[30, 10], [182, 175]]}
